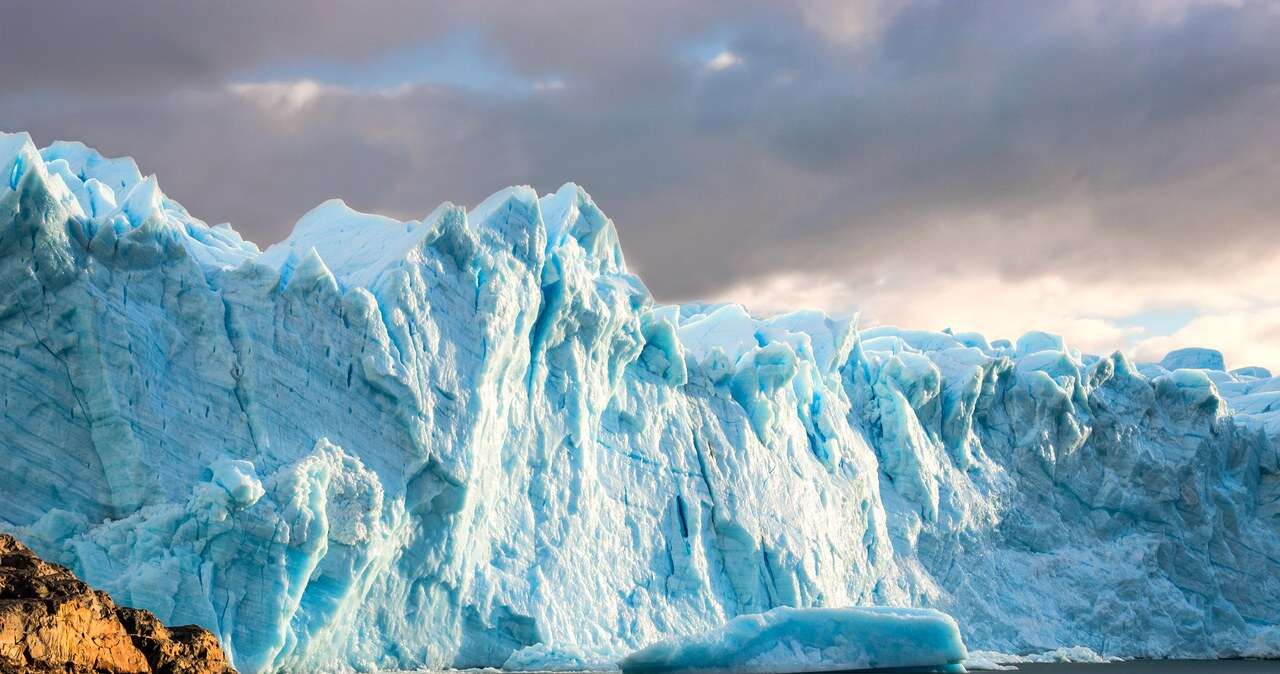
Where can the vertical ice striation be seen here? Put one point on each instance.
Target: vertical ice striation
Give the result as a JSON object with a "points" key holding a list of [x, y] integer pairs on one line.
{"points": [[456, 440]]}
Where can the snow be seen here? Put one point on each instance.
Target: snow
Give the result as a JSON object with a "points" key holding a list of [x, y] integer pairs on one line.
{"points": [[477, 440], [118, 174], [728, 329], [357, 247], [787, 639]]}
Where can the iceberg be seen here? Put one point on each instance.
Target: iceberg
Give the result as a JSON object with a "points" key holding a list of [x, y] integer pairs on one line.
{"points": [[476, 438], [792, 640]]}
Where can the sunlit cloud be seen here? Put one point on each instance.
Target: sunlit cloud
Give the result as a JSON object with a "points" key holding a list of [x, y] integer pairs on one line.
{"points": [[553, 84], [723, 61]]}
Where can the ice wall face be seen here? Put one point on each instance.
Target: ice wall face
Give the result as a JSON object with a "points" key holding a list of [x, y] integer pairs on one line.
{"points": [[389, 444]]}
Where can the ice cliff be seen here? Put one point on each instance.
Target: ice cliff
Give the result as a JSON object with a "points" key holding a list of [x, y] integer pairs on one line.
{"points": [[386, 444]]}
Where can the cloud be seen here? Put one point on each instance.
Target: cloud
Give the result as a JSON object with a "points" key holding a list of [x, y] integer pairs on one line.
{"points": [[894, 151], [723, 61]]}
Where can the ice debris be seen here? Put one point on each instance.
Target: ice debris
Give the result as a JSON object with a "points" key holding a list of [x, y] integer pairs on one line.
{"points": [[994, 661]]}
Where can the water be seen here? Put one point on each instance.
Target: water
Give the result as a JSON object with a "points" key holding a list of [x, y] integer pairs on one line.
{"points": [[1131, 667], [1157, 667]]}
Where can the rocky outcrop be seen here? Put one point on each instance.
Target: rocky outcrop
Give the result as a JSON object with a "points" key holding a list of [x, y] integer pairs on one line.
{"points": [[52, 623]]}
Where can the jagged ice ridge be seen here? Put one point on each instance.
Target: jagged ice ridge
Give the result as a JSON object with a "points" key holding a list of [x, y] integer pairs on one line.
{"points": [[476, 437]]}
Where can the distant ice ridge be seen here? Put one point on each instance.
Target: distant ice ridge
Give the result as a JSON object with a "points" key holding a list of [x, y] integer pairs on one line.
{"points": [[451, 441]]}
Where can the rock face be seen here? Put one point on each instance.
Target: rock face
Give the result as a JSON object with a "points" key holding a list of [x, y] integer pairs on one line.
{"points": [[51, 622]]}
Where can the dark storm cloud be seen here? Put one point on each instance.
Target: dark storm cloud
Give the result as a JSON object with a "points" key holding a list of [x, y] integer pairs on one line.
{"points": [[1110, 139]]}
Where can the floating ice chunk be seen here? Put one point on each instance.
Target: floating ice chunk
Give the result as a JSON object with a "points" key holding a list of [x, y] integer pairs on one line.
{"points": [[989, 661], [1194, 357], [812, 640]]}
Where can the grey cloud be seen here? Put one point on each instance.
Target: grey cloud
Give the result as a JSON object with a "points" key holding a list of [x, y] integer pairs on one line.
{"points": [[1024, 137]]}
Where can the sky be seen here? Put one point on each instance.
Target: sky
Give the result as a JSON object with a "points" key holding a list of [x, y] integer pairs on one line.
{"points": [[1108, 171]]}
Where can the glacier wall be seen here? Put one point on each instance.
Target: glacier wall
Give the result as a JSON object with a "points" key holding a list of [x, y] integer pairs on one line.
{"points": [[385, 444]]}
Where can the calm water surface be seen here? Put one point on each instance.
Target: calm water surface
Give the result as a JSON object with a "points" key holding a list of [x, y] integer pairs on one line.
{"points": [[1158, 667], [1133, 667]]}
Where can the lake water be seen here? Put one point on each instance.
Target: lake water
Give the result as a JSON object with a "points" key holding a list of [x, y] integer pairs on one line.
{"points": [[1158, 667], [1132, 667]]}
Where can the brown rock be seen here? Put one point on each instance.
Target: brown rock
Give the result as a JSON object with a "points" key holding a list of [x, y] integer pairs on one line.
{"points": [[52, 623]]}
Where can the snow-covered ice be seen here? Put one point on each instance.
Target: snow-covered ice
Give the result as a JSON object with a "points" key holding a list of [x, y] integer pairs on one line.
{"points": [[786, 639], [475, 439]]}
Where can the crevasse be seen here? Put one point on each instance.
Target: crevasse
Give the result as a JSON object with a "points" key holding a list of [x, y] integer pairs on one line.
{"points": [[385, 444]]}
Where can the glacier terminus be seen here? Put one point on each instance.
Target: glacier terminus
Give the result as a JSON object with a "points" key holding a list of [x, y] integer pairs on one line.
{"points": [[475, 439]]}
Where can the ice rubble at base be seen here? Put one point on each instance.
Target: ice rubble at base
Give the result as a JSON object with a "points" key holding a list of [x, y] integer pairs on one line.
{"points": [[992, 661], [788, 639], [452, 441], [542, 657]]}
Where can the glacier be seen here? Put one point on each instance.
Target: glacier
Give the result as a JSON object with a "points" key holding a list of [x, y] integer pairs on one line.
{"points": [[476, 438]]}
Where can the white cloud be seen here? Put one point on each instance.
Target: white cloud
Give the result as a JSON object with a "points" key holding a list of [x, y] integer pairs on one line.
{"points": [[1173, 11], [291, 96], [549, 85], [287, 96], [723, 61], [850, 22]]}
